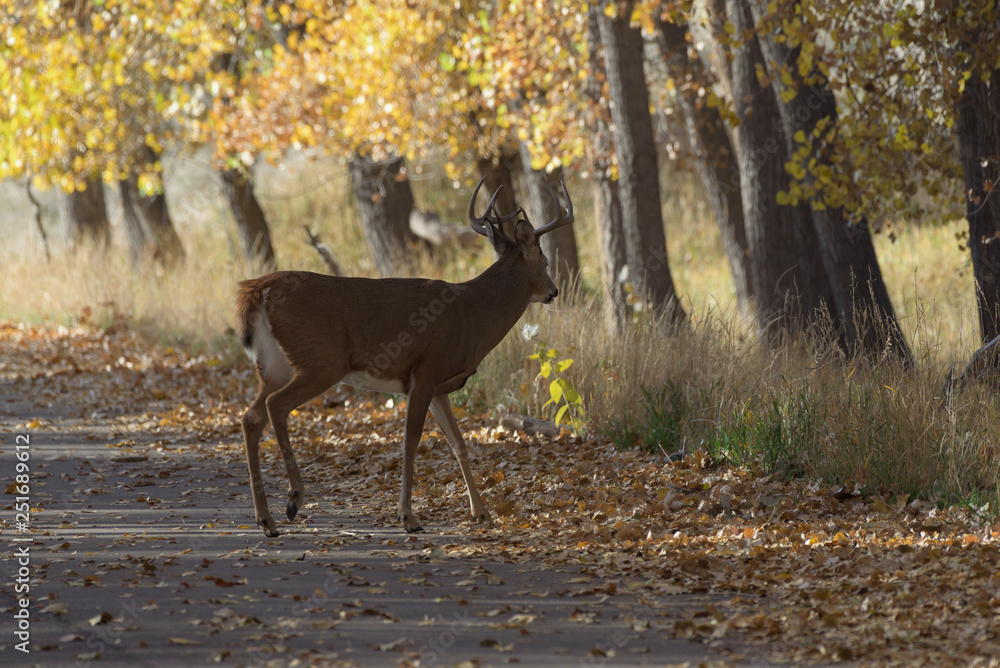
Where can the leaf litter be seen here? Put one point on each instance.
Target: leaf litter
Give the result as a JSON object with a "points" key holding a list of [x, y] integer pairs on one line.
{"points": [[810, 572]]}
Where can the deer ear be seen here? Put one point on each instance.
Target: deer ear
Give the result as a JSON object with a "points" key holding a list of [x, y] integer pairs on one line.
{"points": [[524, 235], [498, 239]]}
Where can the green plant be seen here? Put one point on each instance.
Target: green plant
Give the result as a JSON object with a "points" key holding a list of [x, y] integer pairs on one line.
{"points": [[562, 392], [661, 429], [774, 440]]}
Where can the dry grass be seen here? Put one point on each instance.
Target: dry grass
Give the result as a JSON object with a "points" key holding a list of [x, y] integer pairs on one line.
{"points": [[800, 409]]}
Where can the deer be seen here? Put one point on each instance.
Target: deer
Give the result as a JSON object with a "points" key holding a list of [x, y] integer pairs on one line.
{"points": [[305, 332]]}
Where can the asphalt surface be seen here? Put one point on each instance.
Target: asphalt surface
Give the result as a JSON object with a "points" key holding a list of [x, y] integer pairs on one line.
{"points": [[146, 554]]}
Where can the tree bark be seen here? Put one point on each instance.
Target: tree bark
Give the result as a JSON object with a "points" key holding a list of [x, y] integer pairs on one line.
{"points": [[251, 223], [638, 173], [614, 257], [86, 215], [148, 227], [979, 138], [607, 204], [559, 245], [500, 173], [773, 232], [713, 152], [385, 201], [862, 302]]}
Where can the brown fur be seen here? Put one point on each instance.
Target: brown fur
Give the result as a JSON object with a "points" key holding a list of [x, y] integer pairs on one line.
{"points": [[249, 300], [420, 337]]}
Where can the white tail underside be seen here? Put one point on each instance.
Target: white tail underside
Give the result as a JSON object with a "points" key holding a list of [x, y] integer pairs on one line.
{"points": [[267, 354]]}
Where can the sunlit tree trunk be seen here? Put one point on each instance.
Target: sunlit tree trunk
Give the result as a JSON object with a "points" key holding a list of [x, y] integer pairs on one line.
{"points": [[384, 200], [614, 258], [559, 245], [607, 204], [638, 173], [251, 223], [713, 152]]}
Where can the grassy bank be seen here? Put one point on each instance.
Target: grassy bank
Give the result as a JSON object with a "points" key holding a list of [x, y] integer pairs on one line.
{"points": [[800, 410]]}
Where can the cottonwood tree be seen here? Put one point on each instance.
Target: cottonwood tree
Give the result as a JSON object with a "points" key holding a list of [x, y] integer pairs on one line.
{"points": [[385, 200], [85, 214], [607, 204], [807, 106], [149, 230], [635, 152], [711, 148], [94, 86]]}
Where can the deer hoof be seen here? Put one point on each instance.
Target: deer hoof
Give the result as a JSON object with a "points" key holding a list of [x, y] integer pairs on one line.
{"points": [[270, 530], [410, 524]]}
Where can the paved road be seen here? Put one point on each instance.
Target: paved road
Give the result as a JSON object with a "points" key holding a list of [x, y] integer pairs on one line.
{"points": [[145, 554]]}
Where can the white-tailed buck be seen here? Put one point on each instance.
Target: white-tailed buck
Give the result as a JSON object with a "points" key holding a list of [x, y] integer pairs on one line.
{"points": [[418, 337]]}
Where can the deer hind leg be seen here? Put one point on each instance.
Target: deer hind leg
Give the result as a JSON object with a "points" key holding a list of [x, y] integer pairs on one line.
{"points": [[254, 421], [302, 388], [441, 408]]}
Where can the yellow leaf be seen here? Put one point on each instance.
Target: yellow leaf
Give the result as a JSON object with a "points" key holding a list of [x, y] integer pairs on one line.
{"points": [[555, 391]]}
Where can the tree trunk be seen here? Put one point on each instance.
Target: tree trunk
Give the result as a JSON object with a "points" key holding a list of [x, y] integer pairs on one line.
{"points": [[607, 204], [638, 173], [614, 258], [251, 223], [979, 136], [861, 299], [775, 264], [559, 245], [500, 173], [36, 212], [713, 152], [148, 227], [385, 201], [86, 215]]}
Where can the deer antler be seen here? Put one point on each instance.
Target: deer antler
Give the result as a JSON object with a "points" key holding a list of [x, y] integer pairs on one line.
{"points": [[564, 216], [485, 225]]}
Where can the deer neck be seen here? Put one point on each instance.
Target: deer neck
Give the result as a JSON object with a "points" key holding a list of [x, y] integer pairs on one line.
{"points": [[499, 296]]}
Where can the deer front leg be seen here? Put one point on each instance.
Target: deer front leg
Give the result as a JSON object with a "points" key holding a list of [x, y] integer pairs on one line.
{"points": [[254, 421], [441, 408], [417, 403]]}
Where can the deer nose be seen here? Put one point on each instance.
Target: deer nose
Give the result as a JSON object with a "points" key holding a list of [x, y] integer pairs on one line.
{"points": [[552, 295]]}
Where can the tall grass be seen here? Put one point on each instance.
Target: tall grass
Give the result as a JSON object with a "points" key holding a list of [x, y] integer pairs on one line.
{"points": [[798, 410]]}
